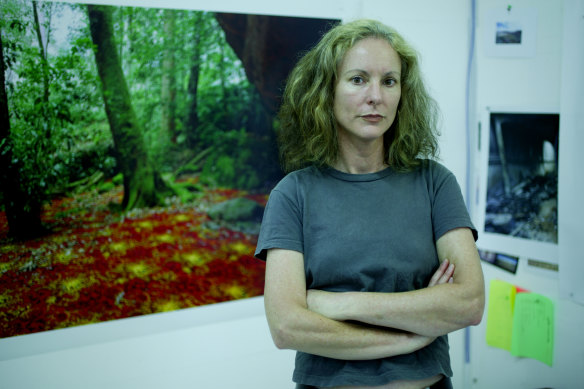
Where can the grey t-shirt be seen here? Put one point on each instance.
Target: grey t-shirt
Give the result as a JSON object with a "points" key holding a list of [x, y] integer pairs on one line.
{"points": [[366, 232]]}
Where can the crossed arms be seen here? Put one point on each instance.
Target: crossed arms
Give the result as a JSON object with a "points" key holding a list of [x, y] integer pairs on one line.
{"points": [[389, 324]]}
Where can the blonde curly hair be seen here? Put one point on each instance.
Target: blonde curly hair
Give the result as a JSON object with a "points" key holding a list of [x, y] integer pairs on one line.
{"points": [[307, 132]]}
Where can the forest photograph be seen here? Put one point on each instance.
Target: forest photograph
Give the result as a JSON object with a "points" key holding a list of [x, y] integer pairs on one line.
{"points": [[137, 152]]}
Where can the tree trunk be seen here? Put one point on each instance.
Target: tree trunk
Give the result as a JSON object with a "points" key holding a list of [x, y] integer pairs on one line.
{"points": [[122, 33], [22, 210], [168, 90], [268, 52], [141, 180], [192, 115], [128, 65], [223, 75], [43, 54]]}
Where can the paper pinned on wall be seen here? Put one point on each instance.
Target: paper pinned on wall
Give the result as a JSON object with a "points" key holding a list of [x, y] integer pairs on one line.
{"points": [[510, 33], [533, 327], [500, 314]]}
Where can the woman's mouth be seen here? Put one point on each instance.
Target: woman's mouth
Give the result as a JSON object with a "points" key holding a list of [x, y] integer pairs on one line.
{"points": [[373, 118]]}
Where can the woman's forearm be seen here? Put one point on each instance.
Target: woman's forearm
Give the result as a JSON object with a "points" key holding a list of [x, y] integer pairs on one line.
{"points": [[431, 312], [441, 308], [294, 326], [309, 332]]}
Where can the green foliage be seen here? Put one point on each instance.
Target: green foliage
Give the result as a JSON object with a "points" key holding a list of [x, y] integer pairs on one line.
{"points": [[105, 186], [118, 179], [49, 131], [64, 137], [230, 164], [188, 191]]}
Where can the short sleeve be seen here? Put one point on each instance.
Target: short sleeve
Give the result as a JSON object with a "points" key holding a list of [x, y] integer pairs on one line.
{"points": [[281, 224], [448, 208]]}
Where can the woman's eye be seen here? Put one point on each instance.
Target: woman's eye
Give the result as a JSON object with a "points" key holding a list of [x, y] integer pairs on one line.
{"points": [[357, 80], [390, 82]]}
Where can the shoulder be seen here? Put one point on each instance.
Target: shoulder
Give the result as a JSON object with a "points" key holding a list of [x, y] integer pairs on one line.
{"points": [[299, 179], [435, 172], [433, 167], [437, 177]]}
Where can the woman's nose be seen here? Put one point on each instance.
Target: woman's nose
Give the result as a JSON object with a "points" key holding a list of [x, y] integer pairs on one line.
{"points": [[374, 94]]}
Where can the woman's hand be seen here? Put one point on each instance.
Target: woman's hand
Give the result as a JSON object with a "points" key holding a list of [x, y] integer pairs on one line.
{"points": [[443, 275]]}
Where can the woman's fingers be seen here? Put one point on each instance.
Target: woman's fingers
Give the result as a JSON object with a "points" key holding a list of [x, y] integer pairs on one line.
{"points": [[443, 275]]}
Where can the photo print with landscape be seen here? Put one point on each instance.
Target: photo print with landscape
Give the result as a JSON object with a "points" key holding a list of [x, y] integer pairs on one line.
{"points": [[136, 156]]}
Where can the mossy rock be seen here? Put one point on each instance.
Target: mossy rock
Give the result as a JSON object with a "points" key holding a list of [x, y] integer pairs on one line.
{"points": [[238, 209]]}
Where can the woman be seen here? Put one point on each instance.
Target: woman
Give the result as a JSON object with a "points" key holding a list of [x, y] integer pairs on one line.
{"points": [[370, 251]]}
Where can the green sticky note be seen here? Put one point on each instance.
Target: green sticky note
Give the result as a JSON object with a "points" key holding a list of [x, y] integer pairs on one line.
{"points": [[500, 314], [533, 327]]}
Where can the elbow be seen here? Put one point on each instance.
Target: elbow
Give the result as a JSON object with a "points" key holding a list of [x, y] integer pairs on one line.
{"points": [[473, 307], [278, 336], [476, 319], [281, 336], [476, 311], [470, 315], [284, 324], [469, 312]]}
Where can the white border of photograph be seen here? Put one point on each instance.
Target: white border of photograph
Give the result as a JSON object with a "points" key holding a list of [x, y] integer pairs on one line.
{"points": [[524, 248], [298, 8], [524, 19], [571, 178]]}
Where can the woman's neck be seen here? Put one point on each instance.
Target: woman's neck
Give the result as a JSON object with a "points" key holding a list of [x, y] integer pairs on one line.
{"points": [[360, 163]]}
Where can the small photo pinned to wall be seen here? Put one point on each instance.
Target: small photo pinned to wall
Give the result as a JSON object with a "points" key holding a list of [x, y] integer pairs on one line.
{"points": [[510, 32], [503, 261]]}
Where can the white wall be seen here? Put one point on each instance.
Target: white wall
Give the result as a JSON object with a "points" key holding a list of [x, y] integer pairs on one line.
{"points": [[223, 345], [571, 211]]}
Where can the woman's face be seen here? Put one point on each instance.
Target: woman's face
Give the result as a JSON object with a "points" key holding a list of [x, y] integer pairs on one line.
{"points": [[367, 92]]}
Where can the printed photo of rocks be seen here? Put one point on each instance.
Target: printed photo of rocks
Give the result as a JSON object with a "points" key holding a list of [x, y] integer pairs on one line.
{"points": [[522, 184]]}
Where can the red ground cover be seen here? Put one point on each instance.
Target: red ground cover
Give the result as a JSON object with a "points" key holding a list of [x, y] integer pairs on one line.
{"points": [[97, 266]]}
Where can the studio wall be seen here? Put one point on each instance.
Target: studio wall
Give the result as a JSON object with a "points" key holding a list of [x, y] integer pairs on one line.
{"points": [[511, 81], [228, 345]]}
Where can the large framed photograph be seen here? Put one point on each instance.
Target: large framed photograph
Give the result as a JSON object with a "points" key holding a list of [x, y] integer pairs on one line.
{"points": [[142, 152], [518, 185]]}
